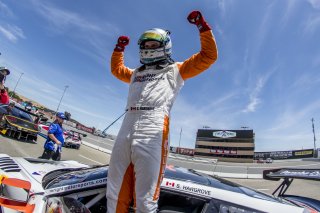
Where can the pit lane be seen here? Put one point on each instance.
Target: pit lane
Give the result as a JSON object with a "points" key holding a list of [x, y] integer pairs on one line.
{"points": [[90, 156]]}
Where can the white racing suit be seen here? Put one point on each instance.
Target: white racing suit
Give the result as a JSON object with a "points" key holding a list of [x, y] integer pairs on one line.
{"points": [[140, 152]]}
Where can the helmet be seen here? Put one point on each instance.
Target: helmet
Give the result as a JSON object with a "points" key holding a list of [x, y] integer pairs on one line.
{"points": [[61, 115], [65, 205], [5, 69], [150, 56]]}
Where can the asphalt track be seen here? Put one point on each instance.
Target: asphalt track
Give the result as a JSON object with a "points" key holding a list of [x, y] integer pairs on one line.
{"points": [[235, 172]]}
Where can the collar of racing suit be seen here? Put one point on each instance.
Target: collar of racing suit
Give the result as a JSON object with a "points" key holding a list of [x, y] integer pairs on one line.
{"points": [[156, 65]]}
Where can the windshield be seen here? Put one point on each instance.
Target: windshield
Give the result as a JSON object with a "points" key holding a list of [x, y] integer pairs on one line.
{"points": [[64, 177], [18, 113]]}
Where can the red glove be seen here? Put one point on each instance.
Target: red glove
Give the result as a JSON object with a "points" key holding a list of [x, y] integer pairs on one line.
{"points": [[195, 17], [123, 41]]}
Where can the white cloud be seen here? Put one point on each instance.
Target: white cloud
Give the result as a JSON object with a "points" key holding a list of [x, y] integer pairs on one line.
{"points": [[315, 4], [86, 32], [289, 11], [222, 7], [312, 24], [64, 20], [4, 10], [254, 96], [12, 33], [291, 116], [254, 99]]}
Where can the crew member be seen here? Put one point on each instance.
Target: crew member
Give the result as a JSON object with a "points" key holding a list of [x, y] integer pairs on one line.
{"points": [[10, 108], [140, 152], [55, 139], [4, 97]]}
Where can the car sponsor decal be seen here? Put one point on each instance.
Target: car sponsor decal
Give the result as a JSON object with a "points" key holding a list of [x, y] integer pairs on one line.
{"points": [[302, 173], [76, 186], [190, 188], [2, 177], [276, 174], [39, 172]]}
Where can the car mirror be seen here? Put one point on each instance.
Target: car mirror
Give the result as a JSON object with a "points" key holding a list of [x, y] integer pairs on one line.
{"points": [[14, 194]]}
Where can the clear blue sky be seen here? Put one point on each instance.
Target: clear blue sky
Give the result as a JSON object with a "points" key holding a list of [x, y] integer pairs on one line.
{"points": [[267, 76]]}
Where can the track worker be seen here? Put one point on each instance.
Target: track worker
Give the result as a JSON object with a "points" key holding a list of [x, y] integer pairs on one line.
{"points": [[140, 152], [55, 140], [4, 97]]}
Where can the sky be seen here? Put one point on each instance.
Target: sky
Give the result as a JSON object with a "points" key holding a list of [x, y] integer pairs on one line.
{"points": [[266, 78]]}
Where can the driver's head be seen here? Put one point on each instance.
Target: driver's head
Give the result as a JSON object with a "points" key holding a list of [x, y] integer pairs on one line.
{"points": [[155, 46], [65, 205]]}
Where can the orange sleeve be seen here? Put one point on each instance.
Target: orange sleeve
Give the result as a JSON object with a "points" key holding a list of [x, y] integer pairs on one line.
{"points": [[118, 69], [202, 60]]}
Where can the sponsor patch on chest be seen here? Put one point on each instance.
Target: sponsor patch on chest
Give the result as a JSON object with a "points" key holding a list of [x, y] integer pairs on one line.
{"points": [[148, 77]]}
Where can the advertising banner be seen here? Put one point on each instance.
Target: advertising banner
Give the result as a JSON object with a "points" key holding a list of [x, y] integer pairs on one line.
{"points": [[84, 128], [278, 155], [223, 151], [217, 133]]}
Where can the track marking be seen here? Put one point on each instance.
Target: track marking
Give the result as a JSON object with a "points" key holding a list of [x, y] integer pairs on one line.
{"points": [[91, 159], [263, 189]]}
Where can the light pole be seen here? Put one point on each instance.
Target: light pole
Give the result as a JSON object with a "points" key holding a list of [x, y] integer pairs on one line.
{"points": [[65, 88], [314, 139], [180, 139], [16, 85]]}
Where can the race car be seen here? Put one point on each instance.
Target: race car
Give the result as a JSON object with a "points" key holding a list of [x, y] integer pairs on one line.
{"points": [[41, 186], [18, 123], [44, 128], [288, 175], [73, 139]]}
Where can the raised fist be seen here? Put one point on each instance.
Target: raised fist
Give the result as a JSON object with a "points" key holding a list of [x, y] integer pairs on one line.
{"points": [[195, 17], [123, 41]]}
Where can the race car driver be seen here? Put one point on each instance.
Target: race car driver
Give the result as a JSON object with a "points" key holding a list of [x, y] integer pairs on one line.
{"points": [[140, 152], [55, 140], [4, 97]]}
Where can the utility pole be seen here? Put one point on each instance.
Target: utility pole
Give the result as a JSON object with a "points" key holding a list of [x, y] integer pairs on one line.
{"points": [[314, 139], [14, 90], [65, 88], [180, 139]]}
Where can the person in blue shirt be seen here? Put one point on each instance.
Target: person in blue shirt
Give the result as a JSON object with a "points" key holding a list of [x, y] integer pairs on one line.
{"points": [[55, 139]]}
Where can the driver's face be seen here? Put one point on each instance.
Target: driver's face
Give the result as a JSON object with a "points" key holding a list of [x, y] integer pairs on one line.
{"points": [[3, 72], [60, 120], [151, 44]]}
